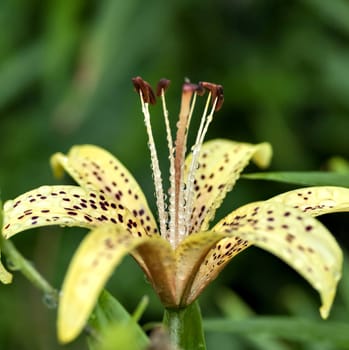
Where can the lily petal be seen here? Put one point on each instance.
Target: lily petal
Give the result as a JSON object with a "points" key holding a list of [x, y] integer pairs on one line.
{"points": [[295, 237], [316, 200], [96, 169], [220, 164], [214, 262], [159, 265], [65, 206], [93, 263], [190, 255], [5, 276]]}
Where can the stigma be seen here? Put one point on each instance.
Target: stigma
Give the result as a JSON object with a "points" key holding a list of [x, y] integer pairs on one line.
{"points": [[175, 214]]}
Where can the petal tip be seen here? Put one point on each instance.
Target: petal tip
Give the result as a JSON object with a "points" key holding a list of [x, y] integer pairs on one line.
{"points": [[263, 155], [327, 301], [324, 312], [66, 334], [56, 161], [69, 325], [5, 276]]}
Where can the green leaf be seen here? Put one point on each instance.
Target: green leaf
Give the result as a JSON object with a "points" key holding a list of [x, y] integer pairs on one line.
{"points": [[112, 327], [289, 328], [309, 178], [185, 327], [335, 13], [234, 308], [19, 71]]}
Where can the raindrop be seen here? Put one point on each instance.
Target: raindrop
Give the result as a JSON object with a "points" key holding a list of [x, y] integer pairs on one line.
{"points": [[50, 300], [11, 265], [146, 279]]}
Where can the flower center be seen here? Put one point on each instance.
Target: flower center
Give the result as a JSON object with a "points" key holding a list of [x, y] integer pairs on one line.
{"points": [[175, 223]]}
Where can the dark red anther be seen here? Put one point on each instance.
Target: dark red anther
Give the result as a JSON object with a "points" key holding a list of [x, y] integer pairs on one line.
{"points": [[220, 97], [200, 90], [138, 83], [162, 85], [216, 91], [146, 90]]}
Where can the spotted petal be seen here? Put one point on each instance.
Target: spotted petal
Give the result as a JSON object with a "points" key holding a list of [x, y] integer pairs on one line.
{"points": [[214, 262], [220, 164], [93, 263], [316, 200], [190, 255], [96, 169], [65, 206], [295, 237]]}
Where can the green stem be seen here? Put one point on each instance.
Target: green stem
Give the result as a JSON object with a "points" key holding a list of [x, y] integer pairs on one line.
{"points": [[185, 327], [18, 262]]}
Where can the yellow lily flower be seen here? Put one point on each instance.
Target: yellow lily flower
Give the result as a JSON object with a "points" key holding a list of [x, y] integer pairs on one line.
{"points": [[183, 255]]}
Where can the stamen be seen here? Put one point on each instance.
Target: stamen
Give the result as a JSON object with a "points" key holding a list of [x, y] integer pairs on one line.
{"points": [[147, 96], [208, 121], [144, 87], [161, 88], [181, 190], [194, 165], [216, 92]]}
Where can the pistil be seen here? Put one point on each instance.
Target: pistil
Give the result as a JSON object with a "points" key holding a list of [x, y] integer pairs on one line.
{"points": [[178, 225]]}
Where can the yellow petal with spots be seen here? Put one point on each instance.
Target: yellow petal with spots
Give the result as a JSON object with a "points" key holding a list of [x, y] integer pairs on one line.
{"points": [[214, 262], [96, 169], [316, 200], [67, 206], [93, 263], [292, 235], [190, 255], [220, 164]]}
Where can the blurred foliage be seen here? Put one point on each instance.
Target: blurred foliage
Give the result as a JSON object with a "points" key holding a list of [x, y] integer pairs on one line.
{"points": [[112, 327], [65, 69]]}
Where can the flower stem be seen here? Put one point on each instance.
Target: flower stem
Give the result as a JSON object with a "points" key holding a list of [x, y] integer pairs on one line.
{"points": [[18, 262], [185, 327]]}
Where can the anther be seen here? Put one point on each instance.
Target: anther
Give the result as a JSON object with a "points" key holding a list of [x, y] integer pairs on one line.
{"points": [[217, 93], [220, 98], [145, 89], [200, 90], [162, 86]]}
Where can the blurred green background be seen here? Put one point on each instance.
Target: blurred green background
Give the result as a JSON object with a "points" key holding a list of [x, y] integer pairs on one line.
{"points": [[65, 70]]}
